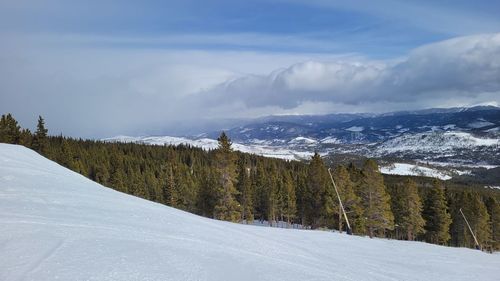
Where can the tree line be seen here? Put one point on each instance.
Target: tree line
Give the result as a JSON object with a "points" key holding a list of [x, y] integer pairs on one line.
{"points": [[239, 187]]}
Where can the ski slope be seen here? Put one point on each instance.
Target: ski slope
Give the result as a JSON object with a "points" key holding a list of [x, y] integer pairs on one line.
{"points": [[58, 225]]}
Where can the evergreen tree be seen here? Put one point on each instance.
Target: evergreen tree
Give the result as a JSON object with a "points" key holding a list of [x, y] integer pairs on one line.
{"points": [[260, 187], [206, 195], [170, 192], [477, 215], [273, 195], [245, 191], [25, 138], [40, 138], [320, 204], [407, 209], [10, 131], [376, 200], [350, 201], [227, 208], [493, 207], [289, 198], [436, 216]]}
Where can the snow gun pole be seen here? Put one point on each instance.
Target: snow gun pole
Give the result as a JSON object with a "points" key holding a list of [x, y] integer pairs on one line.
{"points": [[349, 231], [470, 229]]}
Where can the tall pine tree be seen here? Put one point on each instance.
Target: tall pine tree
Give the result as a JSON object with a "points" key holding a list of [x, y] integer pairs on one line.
{"points": [[226, 208], [320, 200], [376, 200], [407, 209], [350, 201], [436, 216], [40, 138]]}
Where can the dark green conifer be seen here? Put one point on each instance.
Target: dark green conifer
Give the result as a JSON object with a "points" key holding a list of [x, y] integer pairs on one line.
{"points": [[375, 200], [350, 201], [436, 216], [10, 131], [320, 204], [227, 208], [40, 138], [407, 209]]}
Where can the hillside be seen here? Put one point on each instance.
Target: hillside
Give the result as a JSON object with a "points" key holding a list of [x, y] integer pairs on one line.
{"points": [[57, 224]]}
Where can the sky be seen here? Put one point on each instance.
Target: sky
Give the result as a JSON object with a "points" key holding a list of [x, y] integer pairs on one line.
{"points": [[106, 68]]}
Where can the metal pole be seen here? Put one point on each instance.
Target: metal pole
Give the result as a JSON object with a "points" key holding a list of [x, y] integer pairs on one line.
{"points": [[349, 231], [470, 229]]}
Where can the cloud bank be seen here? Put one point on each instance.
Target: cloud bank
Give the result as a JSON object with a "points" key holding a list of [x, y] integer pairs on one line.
{"points": [[459, 71], [85, 90]]}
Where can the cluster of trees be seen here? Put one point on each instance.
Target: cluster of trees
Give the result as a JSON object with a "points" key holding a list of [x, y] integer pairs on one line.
{"points": [[239, 187]]}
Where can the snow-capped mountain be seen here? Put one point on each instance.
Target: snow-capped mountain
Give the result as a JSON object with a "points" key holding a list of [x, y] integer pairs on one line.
{"points": [[56, 224], [364, 128], [447, 137]]}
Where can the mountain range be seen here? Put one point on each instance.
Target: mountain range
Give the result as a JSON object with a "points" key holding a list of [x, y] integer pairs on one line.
{"points": [[463, 138]]}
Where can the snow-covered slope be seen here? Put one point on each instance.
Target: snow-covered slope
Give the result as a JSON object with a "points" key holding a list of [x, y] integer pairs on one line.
{"points": [[206, 143], [436, 142], [413, 170], [58, 225]]}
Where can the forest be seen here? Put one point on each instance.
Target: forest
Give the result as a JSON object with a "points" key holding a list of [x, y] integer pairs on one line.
{"points": [[228, 185]]}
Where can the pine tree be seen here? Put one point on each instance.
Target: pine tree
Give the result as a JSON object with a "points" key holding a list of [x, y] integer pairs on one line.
{"points": [[477, 215], [436, 216], [10, 131], [289, 198], [261, 187], [375, 200], [350, 201], [320, 204], [25, 138], [407, 209], [170, 193], [116, 177], [245, 191], [227, 208], [40, 138], [493, 207], [273, 196], [206, 195]]}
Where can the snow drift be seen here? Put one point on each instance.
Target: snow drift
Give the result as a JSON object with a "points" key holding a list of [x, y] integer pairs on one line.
{"points": [[58, 225]]}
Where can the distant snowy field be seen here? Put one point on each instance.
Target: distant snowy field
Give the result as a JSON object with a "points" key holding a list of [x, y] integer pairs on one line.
{"points": [[413, 170], [58, 225], [207, 144]]}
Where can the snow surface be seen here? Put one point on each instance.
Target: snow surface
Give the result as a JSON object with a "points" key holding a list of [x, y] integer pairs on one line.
{"points": [[58, 225], [413, 170]]}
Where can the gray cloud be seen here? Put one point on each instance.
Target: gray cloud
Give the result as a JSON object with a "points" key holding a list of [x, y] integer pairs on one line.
{"points": [[85, 90]]}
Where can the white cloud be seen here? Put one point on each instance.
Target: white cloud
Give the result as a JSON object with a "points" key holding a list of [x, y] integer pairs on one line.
{"points": [[463, 69]]}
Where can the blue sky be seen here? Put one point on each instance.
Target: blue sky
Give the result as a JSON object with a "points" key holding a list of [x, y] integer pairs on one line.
{"points": [[233, 59]]}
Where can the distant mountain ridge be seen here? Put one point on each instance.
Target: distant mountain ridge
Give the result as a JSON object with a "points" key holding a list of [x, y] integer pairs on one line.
{"points": [[366, 128], [457, 138]]}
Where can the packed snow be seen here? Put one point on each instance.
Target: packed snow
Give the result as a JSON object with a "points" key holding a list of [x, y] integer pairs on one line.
{"points": [[58, 225], [413, 170]]}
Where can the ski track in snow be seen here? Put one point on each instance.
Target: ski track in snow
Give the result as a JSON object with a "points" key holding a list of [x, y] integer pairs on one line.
{"points": [[58, 225]]}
